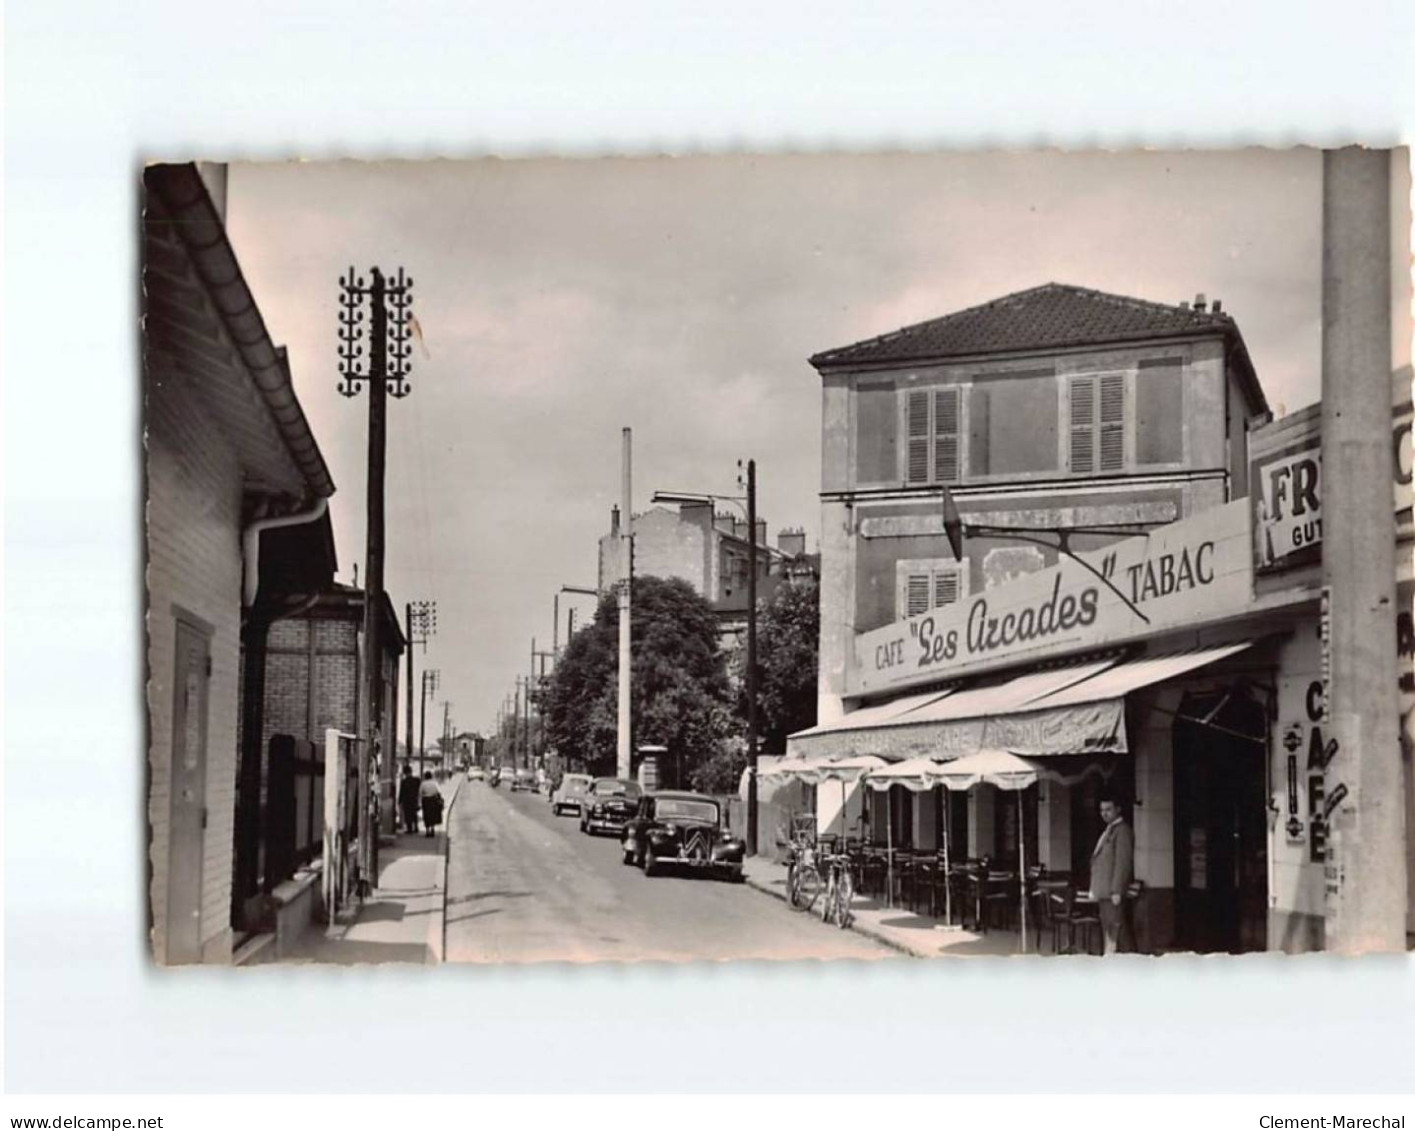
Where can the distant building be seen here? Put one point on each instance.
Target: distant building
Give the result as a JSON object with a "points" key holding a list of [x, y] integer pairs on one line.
{"points": [[710, 551]]}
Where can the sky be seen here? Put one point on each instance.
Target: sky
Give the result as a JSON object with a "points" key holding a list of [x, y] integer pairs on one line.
{"points": [[562, 300]]}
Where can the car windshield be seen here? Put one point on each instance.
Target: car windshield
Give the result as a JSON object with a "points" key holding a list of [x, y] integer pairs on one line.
{"points": [[576, 785], [615, 787], [669, 807]]}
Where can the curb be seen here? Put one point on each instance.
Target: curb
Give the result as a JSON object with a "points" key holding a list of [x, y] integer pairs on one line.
{"points": [[855, 925], [437, 929]]}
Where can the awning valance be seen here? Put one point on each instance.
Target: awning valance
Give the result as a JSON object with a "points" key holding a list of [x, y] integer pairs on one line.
{"points": [[1079, 708]]}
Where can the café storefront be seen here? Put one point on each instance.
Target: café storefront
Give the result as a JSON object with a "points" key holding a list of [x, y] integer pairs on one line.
{"points": [[1150, 663]]}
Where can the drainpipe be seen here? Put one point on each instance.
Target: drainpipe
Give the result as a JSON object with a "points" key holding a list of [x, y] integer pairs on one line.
{"points": [[250, 545]]}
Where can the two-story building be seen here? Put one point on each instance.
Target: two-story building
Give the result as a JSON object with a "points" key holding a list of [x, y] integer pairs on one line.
{"points": [[1100, 614]]}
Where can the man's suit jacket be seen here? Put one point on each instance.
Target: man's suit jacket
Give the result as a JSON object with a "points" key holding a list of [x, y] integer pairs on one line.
{"points": [[1113, 861]]}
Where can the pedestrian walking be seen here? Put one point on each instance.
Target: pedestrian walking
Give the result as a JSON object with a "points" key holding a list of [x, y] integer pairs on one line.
{"points": [[408, 799], [431, 797], [1112, 869]]}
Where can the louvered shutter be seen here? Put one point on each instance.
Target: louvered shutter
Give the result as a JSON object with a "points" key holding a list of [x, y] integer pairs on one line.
{"points": [[946, 425], [946, 587], [1112, 422], [1083, 424], [916, 412], [916, 598]]}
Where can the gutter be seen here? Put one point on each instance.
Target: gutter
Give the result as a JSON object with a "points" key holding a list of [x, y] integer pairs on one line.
{"points": [[250, 546]]}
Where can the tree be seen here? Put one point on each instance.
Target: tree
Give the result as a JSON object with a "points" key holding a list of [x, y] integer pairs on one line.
{"points": [[788, 655], [679, 696]]}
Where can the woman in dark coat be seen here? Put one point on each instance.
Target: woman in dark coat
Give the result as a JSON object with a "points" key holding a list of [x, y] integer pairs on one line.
{"points": [[432, 803]]}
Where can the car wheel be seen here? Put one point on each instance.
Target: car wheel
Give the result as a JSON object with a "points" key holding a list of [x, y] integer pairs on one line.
{"points": [[650, 861], [735, 876]]}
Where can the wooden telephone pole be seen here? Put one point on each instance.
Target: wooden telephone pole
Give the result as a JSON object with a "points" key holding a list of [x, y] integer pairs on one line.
{"points": [[389, 350]]}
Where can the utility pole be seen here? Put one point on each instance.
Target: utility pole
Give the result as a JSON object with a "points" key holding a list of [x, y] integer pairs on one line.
{"points": [[430, 683], [446, 730], [516, 727], [625, 759], [422, 624], [389, 351], [751, 657], [1365, 865], [555, 636]]}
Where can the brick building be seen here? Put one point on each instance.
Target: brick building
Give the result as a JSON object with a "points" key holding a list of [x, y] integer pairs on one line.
{"points": [[228, 451], [312, 680]]}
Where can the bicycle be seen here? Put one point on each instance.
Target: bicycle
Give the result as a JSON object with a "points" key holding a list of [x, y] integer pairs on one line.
{"points": [[812, 877]]}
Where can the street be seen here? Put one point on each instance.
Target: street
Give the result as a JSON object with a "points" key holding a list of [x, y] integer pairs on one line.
{"points": [[526, 886]]}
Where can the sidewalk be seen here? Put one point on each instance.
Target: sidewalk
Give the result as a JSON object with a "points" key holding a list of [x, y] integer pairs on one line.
{"points": [[897, 927], [402, 920]]}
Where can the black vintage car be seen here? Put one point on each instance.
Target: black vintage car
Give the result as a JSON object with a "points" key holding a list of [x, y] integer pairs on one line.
{"points": [[607, 804], [682, 828]]}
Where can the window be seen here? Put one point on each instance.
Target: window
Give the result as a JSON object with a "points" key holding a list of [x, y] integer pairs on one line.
{"points": [[1159, 411], [1098, 423], [921, 585], [1012, 423], [932, 427], [877, 434]]}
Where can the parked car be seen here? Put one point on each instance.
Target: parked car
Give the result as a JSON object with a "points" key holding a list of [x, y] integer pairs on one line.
{"points": [[570, 793], [682, 828], [608, 804], [524, 781], [476, 773]]}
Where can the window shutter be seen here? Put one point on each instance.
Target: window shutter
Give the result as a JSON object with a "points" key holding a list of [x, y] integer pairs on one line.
{"points": [[917, 594], [1083, 424], [946, 587], [1112, 423], [916, 412], [946, 423]]}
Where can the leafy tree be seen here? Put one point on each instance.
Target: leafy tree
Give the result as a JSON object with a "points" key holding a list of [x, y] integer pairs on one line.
{"points": [[679, 695], [788, 654]]}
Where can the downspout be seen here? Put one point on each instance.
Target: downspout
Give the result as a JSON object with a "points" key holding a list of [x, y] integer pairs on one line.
{"points": [[250, 546], [250, 770]]}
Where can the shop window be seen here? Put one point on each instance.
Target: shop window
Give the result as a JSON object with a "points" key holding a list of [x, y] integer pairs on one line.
{"points": [[1012, 424], [933, 431], [921, 585]]}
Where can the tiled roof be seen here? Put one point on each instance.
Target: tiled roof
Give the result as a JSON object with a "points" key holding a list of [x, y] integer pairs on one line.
{"points": [[1045, 317]]}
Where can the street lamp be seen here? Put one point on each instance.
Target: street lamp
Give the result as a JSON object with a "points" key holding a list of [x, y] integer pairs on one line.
{"points": [[751, 501]]}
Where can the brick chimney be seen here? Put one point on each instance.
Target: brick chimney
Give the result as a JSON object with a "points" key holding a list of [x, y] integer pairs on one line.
{"points": [[1200, 302]]}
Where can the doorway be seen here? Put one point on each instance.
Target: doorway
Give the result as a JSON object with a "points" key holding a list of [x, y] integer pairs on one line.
{"points": [[187, 812], [1220, 825]]}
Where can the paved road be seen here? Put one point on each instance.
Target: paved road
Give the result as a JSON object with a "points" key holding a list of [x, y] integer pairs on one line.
{"points": [[526, 886]]}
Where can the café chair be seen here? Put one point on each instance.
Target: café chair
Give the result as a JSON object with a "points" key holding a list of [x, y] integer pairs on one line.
{"points": [[1083, 918]]}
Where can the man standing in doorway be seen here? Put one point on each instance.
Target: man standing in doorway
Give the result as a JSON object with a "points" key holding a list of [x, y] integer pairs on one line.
{"points": [[1112, 869]]}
